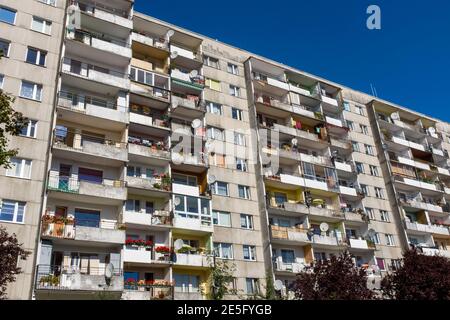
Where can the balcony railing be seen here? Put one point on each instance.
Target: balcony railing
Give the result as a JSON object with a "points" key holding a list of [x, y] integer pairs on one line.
{"points": [[198, 80], [92, 7], [150, 40], [149, 290], [289, 233], [79, 102], [87, 278]]}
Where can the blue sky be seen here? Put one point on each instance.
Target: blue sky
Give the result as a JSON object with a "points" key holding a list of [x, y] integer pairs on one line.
{"points": [[408, 60]]}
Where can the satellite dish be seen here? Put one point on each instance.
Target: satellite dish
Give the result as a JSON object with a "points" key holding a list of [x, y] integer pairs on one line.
{"points": [[196, 123], [193, 73], [177, 201], [109, 271], [294, 141], [278, 285], [211, 179], [178, 244], [395, 116], [324, 227], [173, 55]]}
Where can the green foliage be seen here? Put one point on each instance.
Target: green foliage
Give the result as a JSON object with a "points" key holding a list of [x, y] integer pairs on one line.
{"points": [[220, 278], [11, 122]]}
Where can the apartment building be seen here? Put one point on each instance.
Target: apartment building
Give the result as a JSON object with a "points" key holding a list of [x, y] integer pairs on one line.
{"points": [[30, 39], [158, 151]]}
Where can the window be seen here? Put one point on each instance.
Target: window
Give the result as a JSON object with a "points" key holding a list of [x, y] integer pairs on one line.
{"points": [[384, 216], [49, 2], [192, 207], [12, 211], [36, 56], [351, 125], [221, 218], [359, 167], [246, 221], [239, 139], [2, 77], [7, 15], [233, 69], [355, 146], [235, 91], [370, 213], [184, 179], [364, 129], [249, 252], [237, 114], [211, 62], [365, 190], [241, 164], [396, 264], [41, 25], [280, 198], [213, 84], [220, 188], [31, 90], [214, 108], [373, 170], [390, 240], [215, 133], [380, 264], [346, 106], [223, 250], [376, 238], [251, 285], [4, 48], [133, 205], [30, 129], [359, 110], [186, 283], [287, 256], [20, 168], [244, 192], [218, 160], [369, 149], [379, 193]]}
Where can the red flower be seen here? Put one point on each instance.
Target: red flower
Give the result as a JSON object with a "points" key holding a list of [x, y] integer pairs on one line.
{"points": [[163, 249]]}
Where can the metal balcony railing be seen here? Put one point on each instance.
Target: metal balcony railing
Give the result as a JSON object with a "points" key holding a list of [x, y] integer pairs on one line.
{"points": [[94, 5]]}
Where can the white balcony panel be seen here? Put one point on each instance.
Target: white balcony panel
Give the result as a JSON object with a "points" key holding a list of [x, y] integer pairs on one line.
{"points": [[113, 18], [111, 47], [290, 179], [343, 166], [182, 52], [438, 152], [299, 90], [191, 224], [185, 190], [358, 244], [348, 191], [278, 84], [443, 171], [137, 218], [192, 260], [325, 240], [439, 230], [334, 121], [316, 184], [302, 111], [297, 236], [137, 256], [330, 101], [141, 119]]}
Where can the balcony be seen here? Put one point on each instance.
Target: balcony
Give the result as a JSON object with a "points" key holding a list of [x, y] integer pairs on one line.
{"points": [[95, 73], [102, 231], [150, 85], [414, 226], [297, 179], [330, 101], [198, 160], [159, 218], [287, 268], [418, 184], [191, 260], [145, 149], [419, 204], [186, 80], [334, 121], [107, 189], [349, 191], [188, 107], [341, 143], [193, 224], [94, 107], [149, 121], [361, 244], [344, 166], [108, 14], [436, 252], [155, 291], [289, 235], [60, 279], [100, 42], [269, 84], [298, 133], [185, 57], [440, 229], [324, 240], [160, 184], [150, 41], [142, 257], [326, 213], [406, 143], [355, 217], [80, 145]]}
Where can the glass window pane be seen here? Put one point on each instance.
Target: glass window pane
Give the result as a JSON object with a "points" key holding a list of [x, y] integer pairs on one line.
{"points": [[192, 205], [180, 205], [20, 211], [7, 15], [32, 55], [7, 210], [42, 58], [27, 90]]}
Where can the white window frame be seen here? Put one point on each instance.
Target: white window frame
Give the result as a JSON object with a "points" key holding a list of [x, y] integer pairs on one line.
{"points": [[2, 80], [365, 189], [390, 241], [384, 216], [239, 139], [234, 91], [46, 24], [376, 238], [12, 10], [16, 210], [379, 193], [200, 214], [355, 146], [369, 149], [215, 189], [6, 55], [211, 107], [361, 166], [242, 163], [254, 283], [38, 56], [374, 171], [209, 61], [370, 213], [29, 126], [216, 216], [220, 250], [212, 133], [346, 105], [239, 114], [247, 195], [350, 125], [233, 69], [23, 162], [251, 252], [359, 110], [48, 2], [364, 129], [248, 221], [36, 87]]}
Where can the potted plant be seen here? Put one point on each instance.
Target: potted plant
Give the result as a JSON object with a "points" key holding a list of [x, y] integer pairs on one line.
{"points": [[141, 285]]}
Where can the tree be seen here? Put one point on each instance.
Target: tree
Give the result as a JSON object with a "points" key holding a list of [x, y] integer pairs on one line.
{"points": [[11, 122], [419, 277], [10, 252], [220, 278], [334, 279]]}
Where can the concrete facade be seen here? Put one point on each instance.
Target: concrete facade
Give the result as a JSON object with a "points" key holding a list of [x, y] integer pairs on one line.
{"points": [[286, 169]]}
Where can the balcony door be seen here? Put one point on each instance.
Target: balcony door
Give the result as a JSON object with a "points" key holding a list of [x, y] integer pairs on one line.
{"points": [[90, 175], [65, 171]]}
